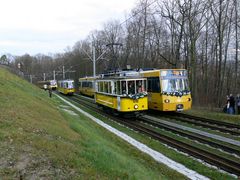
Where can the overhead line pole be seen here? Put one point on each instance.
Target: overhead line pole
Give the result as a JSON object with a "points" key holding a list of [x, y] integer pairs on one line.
{"points": [[54, 75], [93, 59], [63, 73]]}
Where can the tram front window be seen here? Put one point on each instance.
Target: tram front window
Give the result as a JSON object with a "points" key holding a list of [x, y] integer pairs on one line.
{"points": [[175, 85]]}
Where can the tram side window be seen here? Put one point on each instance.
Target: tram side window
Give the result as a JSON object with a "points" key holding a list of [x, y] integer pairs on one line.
{"points": [[140, 86], [105, 88], [149, 89], [110, 87], [123, 87], [100, 86], [131, 87], [145, 85], [153, 84], [116, 87]]}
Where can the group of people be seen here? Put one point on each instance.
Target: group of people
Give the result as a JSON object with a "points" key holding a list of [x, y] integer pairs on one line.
{"points": [[231, 104], [131, 87]]}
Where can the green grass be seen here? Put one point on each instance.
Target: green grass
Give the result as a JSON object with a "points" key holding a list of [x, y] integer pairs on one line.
{"points": [[41, 140], [214, 114], [204, 129]]}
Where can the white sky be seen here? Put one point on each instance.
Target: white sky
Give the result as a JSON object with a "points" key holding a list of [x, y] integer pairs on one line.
{"points": [[49, 26]]}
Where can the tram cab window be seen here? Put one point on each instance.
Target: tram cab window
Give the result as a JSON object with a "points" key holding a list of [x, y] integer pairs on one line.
{"points": [[172, 85], [83, 84], [90, 84], [131, 87]]}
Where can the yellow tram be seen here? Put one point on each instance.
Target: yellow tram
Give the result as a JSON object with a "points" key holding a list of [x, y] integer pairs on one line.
{"points": [[122, 94], [53, 84], [49, 84], [168, 89], [87, 86], [43, 84], [66, 87]]}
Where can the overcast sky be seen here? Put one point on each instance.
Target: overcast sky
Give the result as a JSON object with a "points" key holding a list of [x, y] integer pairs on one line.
{"points": [[49, 26]]}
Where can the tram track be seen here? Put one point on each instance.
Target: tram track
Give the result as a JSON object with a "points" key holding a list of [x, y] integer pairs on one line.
{"points": [[230, 128], [225, 127], [191, 135], [211, 158]]}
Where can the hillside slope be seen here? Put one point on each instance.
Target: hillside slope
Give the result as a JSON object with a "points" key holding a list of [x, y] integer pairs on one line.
{"points": [[43, 138]]}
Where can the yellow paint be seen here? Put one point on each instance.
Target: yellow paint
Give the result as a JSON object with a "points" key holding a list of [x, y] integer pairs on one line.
{"points": [[157, 101], [126, 104], [65, 90], [152, 73], [87, 91]]}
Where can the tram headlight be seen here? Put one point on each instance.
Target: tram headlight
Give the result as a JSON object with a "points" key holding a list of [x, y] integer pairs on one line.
{"points": [[167, 101], [135, 106]]}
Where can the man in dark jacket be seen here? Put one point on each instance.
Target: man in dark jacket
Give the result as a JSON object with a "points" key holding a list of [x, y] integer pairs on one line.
{"points": [[232, 104], [238, 103]]}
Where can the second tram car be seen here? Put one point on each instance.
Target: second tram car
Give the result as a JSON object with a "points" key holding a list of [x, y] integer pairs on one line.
{"points": [[122, 94], [53, 84], [168, 89], [87, 86], [47, 84], [66, 87], [43, 84]]}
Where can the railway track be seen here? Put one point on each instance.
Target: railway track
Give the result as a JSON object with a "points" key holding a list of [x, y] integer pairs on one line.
{"points": [[190, 135], [230, 128], [233, 129], [224, 163]]}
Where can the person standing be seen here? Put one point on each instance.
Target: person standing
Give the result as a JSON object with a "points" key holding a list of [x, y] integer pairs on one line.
{"points": [[238, 103], [50, 92], [226, 107], [232, 104]]}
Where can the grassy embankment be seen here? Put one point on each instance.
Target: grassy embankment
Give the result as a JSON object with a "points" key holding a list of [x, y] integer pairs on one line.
{"points": [[40, 138]]}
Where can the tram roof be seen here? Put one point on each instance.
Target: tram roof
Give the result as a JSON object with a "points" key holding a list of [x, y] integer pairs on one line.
{"points": [[66, 80], [121, 78]]}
